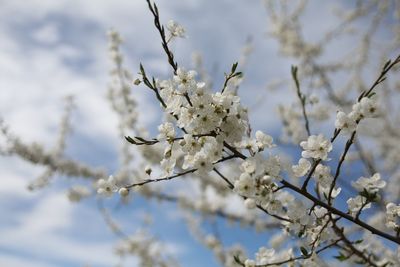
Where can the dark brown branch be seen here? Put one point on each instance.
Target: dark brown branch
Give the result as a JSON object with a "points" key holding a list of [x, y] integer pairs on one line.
{"points": [[154, 10], [382, 77], [302, 99], [238, 154], [388, 66], [175, 175], [302, 257], [339, 166], [230, 76], [141, 141], [312, 170], [231, 186], [353, 249], [341, 213], [161, 179], [367, 162]]}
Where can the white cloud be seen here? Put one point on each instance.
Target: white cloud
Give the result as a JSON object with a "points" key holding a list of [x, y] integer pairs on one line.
{"points": [[16, 261], [39, 233], [48, 34]]}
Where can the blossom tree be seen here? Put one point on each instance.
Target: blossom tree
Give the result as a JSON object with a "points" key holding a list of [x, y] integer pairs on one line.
{"points": [[206, 140]]}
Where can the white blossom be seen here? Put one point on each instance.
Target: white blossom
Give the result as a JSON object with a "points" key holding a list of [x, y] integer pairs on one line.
{"points": [[335, 191], [297, 211], [317, 147], [244, 185], [175, 29], [272, 166], [250, 165], [277, 240], [123, 191], [77, 192], [314, 261], [249, 144], [323, 175], [249, 263], [168, 165], [211, 241], [202, 163], [293, 125], [107, 187], [250, 203], [369, 106], [263, 140], [392, 216], [167, 131], [185, 80], [273, 206], [366, 108], [264, 255], [190, 144], [371, 185], [302, 168], [355, 204], [345, 123]]}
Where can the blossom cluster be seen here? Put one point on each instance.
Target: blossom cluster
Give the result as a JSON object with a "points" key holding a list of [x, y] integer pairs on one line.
{"points": [[263, 256], [175, 29], [258, 181], [206, 119], [203, 128], [365, 108], [392, 216], [293, 125], [107, 187], [368, 189], [316, 147]]}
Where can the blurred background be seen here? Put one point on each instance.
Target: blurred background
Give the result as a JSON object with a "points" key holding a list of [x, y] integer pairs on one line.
{"points": [[52, 49]]}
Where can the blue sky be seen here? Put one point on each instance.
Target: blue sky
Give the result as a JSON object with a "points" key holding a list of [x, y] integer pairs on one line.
{"points": [[50, 49]]}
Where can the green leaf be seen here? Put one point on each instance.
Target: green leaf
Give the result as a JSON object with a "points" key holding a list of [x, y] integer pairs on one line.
{"points": [[365, 194], [304, 251], [142, 70], [294, 71], [234, 66], [387, 64], [341, 257], [130, 140], [237, 74], [237, 260]]}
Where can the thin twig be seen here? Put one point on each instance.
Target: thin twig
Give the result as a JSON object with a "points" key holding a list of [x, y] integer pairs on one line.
{"points": [[339, 166], [302, 257], [341, 213], [154, 10], [302, 99]]}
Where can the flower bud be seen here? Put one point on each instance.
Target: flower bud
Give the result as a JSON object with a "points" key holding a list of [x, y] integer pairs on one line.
{"points": [[123, 191]]}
